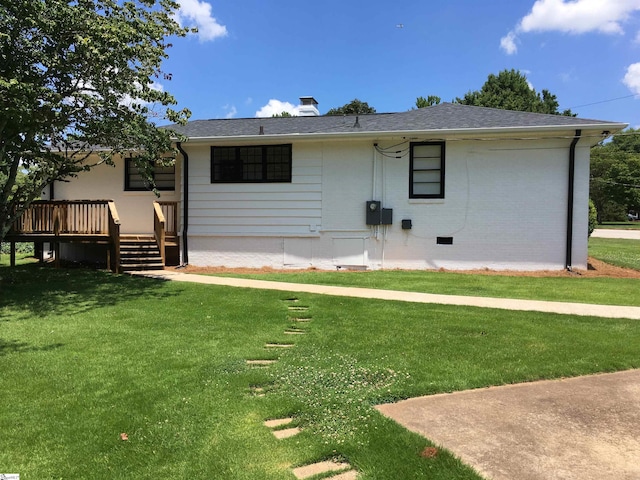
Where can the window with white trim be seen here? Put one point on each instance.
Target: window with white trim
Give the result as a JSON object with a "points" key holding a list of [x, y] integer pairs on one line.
{"points": [[426, 170]]}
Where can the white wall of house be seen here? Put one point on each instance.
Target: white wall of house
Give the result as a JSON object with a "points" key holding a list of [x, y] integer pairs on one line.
{"points": [[505, 207], [106, 182]]}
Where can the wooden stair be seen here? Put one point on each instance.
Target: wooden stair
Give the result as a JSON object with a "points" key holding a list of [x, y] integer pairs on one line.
{"points": [[139, 252]]}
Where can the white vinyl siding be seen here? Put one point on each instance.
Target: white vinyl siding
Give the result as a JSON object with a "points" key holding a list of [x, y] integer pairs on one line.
{"points": [[257, 209]]}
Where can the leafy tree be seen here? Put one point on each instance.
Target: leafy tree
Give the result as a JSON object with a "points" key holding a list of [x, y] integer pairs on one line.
{"points": [[74, 75], [284, 113], [615, 176], [355, 107], [431, 100], [510, 90]]}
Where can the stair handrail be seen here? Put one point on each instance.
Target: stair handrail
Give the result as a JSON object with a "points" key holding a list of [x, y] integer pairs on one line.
{"points": [[159, 229], [170, 211], [114, 236]]}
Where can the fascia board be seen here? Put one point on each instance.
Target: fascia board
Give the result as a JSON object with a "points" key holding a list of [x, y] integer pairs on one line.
{"points": [[471, 133]]}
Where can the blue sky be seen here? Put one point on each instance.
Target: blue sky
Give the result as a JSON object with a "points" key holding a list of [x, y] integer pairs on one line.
{"points": [[253, 57]]}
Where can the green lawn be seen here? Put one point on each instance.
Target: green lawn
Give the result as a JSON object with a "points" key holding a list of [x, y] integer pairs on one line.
{"points": [[86, 356], [620, 252], [21, 259], [620, 225]]}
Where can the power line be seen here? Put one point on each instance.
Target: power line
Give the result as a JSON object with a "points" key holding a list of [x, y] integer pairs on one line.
{"points": [[603, 101]]}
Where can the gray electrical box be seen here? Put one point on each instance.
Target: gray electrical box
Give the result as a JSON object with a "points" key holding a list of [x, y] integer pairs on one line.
{"points": [[387, 216], [374, 213]]}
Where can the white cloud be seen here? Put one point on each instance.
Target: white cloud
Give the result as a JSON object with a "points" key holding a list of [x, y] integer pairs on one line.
{"points": [[632, 78], [199, 13], [579, 16], [508, 43], [232, 111], [275, 107], [572, 16]]}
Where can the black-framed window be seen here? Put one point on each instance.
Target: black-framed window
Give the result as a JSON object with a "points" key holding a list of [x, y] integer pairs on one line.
{"points": [[426, 170], [164, 177], [251, 164]]}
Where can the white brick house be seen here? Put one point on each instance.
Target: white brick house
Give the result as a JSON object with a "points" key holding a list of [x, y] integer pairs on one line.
{"points": [[448, 186]]}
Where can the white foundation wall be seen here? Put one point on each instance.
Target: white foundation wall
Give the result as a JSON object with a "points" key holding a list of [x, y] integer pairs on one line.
{"points": [[106, 182], [505, 207]]}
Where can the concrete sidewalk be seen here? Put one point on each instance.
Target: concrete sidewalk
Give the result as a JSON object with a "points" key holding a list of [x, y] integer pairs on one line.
{"points": [[583, 309], [584, 428], [613, 233]]}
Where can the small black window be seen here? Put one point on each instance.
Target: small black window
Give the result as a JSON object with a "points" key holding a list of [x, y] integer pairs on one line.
{"points": [[426, 175], [164, 176], [254, 164]]}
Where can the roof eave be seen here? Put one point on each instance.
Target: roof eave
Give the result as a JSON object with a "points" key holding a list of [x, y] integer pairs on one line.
{"points": [[606, 129]]}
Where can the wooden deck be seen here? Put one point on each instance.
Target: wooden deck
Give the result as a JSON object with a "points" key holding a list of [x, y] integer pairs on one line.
{"points": [[69, 221], [88, 221]]}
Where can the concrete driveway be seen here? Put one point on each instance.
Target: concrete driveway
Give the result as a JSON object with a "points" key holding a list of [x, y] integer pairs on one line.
{"points": [[584, 428]]}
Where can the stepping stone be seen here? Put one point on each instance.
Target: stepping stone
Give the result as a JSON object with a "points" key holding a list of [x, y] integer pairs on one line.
{"points": [[299, 309], [279, 345], [350, 475], [257, 391], [295, 332], [301, 320], [286, 433], [292, 299], [260, 363], [278, 422], [318, 468]]}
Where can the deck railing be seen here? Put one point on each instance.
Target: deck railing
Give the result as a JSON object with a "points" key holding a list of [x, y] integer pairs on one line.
{"points": [[170, 212], [159, 223], [64, 217], [70, 220], [114, 236]]}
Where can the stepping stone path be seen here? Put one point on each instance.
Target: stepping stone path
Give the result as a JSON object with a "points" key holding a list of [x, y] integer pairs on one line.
{"points": [[325, 467], [283, 433], [260, 363], [257, 391], [294, 331], [319, 468], [279, 345], [350, 475], [294, 308]]}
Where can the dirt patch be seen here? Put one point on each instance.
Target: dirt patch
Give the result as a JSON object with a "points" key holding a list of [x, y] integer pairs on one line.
{"points": [[597, 268]]}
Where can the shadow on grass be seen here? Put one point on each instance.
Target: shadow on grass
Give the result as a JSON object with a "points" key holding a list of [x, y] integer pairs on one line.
{"points": [[39, 290], [11, 346]]}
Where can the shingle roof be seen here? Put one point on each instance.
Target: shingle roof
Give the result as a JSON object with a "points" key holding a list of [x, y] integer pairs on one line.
{"points": [[442, 117]]}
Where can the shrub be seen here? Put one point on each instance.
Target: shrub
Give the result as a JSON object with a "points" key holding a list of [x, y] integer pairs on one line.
{"points": [[593, 217], [21, 247]]}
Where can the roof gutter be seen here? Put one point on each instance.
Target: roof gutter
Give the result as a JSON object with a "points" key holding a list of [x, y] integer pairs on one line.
{"points": [[185, 203], [572, 174]]}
